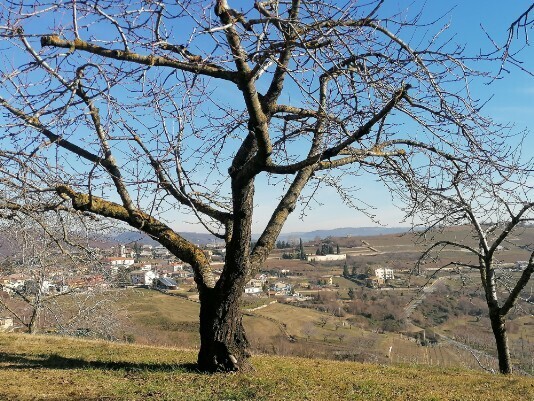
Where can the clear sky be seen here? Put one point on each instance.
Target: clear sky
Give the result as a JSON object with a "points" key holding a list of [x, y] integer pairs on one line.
{"points": [[512, 102]]}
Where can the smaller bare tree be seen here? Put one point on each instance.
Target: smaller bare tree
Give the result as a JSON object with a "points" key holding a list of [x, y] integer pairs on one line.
{"points": [[308, 330], [323, 320], [95, 314], [48, 250], [492, 196]]}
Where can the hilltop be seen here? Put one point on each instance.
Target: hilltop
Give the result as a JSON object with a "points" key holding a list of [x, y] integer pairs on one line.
{"points": [[57, 368]]}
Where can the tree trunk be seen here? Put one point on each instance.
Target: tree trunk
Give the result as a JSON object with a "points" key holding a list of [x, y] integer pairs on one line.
{"points": [[32, 324], [501, 339], [223, 344]]}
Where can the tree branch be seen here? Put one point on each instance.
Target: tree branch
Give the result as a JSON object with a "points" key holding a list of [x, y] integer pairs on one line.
{"points": [[175, 243], [152, 60], [335, 150], [519, 286], [35, 123]]}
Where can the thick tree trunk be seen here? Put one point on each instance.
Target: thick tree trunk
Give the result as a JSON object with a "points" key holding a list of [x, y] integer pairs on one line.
{"points": [[498, 325], [223, 344]]}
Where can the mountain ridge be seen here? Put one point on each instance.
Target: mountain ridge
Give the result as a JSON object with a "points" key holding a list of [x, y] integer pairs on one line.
{"points": [[204, 238]]}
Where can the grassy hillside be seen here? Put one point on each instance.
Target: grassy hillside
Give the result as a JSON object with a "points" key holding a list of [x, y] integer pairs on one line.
{"points": [[54, 368], [159, 319]]}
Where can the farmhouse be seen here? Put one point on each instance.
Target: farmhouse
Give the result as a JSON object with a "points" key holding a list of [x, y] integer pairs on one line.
{"points": [[142, 277], [254, 286], [326, 258], [253, 290], [384, 273]]}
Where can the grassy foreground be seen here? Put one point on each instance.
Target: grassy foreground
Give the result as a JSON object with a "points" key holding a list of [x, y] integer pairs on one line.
{"points": [[55, 368]]}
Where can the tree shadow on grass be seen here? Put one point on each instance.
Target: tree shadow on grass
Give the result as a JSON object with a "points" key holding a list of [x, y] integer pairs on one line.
{"points": [[54, 361]]}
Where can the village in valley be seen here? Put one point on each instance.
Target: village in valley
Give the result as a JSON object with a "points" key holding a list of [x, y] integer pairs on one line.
{"points": [[288, 278], [334, 291]]}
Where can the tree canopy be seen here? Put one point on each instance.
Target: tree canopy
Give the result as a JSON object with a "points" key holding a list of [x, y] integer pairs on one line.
{"points": [[136, 110]]}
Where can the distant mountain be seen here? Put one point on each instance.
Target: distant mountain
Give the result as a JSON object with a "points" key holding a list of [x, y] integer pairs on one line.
{"points": [[203, 239], [129, 237], [136, 236], [343, 232]]}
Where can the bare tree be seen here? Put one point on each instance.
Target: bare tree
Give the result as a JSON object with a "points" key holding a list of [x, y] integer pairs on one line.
{"points": [[137, 110], [46, 252], [95, 313], [494, 200]]}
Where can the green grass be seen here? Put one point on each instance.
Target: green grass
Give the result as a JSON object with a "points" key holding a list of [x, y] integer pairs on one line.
{"points": [[54, 368]]}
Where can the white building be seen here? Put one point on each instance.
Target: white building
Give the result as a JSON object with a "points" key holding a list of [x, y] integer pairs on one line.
{"points": [[326, 258], [253, 290], [6, 323], [384, 273], [120, 261], [142, 277]]}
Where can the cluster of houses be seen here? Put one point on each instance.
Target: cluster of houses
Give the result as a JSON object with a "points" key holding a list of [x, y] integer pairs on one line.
{"points": [[147, 272], [261, 285], [144, 266], [55, 284]]}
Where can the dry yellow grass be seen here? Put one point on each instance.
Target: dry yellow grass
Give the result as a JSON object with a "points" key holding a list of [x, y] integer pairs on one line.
{"points": [[156, 318], [54, 368]]}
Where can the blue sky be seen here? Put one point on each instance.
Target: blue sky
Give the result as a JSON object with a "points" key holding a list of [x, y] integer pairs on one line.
{"points": [[512, 102]]}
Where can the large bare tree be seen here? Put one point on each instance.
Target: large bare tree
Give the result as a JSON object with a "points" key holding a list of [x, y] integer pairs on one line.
{"points": [[139, 110]]}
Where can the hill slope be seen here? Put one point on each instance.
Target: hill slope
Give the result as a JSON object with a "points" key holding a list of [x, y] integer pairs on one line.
{"points": [[54, 368]]}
